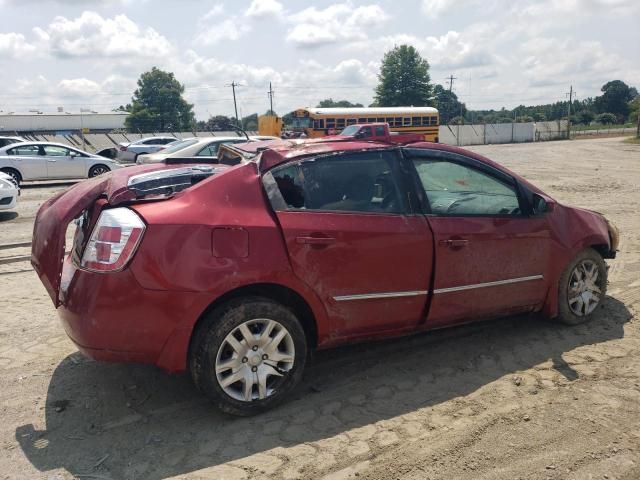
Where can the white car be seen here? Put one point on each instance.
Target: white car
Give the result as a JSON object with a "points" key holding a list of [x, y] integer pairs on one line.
{"points": [[205, 148], [4, 141], [51, 161], [128, 152], [9, 192]]}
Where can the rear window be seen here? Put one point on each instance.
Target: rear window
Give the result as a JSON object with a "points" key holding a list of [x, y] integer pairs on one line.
{"points": [[180, 145]]}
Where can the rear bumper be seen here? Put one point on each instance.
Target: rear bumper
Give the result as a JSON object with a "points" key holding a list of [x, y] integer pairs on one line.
{"points": [[110, 317]]}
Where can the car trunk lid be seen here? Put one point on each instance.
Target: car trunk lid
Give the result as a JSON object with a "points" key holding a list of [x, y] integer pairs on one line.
{"points": [[123, 186]]}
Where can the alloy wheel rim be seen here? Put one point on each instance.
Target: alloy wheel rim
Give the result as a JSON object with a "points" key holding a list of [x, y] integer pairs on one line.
{"points": [[254, 359], [583, 290], [99, 171]]}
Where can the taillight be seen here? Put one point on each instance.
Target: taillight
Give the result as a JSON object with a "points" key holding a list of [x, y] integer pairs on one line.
{"points": [[113, 241], [123, 148]]}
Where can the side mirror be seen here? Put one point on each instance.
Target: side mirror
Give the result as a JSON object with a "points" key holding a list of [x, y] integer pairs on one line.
{"points": [[359, 134], [542, 204], [72, 154]]}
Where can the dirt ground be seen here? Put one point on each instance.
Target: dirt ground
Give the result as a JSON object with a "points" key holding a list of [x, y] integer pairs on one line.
{"points": [[518, 398]]}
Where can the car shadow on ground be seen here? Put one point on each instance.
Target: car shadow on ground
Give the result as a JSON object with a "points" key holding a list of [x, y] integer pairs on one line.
{"points": [[8, 216], [127, 421]]}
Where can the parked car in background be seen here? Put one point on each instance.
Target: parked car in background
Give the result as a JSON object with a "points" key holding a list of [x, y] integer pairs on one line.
{"points": [[235, 273], [205, 148], [128, 151], [51, 161], [4, 141], [9, 192]]}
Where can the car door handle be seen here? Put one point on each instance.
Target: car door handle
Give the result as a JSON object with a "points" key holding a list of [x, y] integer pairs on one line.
{"points": [[315, 240], [454, 243], [52, 160]]}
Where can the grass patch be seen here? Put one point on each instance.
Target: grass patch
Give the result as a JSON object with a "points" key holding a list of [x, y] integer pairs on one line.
{"points": [[575, 127], [632, 140]]}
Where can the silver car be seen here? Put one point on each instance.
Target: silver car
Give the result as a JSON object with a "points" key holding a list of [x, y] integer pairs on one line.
{"points": [[51, 161], [4, 141], [202, 147], [128, 152]]}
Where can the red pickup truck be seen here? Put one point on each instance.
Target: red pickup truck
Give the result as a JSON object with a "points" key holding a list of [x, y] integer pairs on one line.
{"points": [[375, 132]]}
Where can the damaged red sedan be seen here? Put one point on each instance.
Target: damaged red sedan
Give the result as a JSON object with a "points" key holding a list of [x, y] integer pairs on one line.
{"points": [[236, 272]]}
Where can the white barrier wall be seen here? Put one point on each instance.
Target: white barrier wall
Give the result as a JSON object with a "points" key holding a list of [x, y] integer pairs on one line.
{"points": [[502, 133]]}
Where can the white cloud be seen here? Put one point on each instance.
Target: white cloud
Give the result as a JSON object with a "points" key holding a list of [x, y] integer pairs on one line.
{"points": [[336, 23], [14, 45], [229, 29], [91, 35], [264, 8]]}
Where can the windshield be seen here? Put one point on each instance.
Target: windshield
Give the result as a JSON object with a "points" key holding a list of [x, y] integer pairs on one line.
{"points": [[180, 145], [349, 131]]}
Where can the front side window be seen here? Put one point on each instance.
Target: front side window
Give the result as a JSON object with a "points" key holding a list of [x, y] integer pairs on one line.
{"points": [[54, 151], [380, 131], [364, 182], [456, 189]]}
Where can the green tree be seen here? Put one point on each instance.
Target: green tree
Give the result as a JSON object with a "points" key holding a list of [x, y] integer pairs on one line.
{"points": [[331, 103], [404, 79], [447, 104], [615, 99], [157, 104], [634, 107], [250, 122], [220, 123], [606, 118], [585, 117]]}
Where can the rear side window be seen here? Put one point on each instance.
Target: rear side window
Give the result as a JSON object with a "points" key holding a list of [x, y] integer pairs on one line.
{"points": [[364, 182], [210, 150], [28, 150]]}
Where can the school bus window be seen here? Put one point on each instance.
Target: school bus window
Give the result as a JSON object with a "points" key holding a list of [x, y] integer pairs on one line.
{"points": [[362, 120], [351, 121], [373, 120], [425, 121], [434, 120], [407, 121], [415, 121], [398, 121], [389, 120], [340, 123], [331, 122]]}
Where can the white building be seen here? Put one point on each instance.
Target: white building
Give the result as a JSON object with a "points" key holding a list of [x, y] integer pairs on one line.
{"points": [[11, 122]]}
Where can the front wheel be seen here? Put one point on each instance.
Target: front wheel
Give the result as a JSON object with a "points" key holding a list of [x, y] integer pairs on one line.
{"points": [[582, 287], [248, 355], [98, 170]]}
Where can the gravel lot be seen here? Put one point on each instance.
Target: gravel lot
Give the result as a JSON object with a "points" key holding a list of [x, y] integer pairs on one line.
{"points": [[513, 398]]}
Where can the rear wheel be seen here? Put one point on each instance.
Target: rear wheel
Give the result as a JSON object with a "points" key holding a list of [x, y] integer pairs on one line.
{"points": [[582, 287], [248, 355], [13, 173], [98, 170]]}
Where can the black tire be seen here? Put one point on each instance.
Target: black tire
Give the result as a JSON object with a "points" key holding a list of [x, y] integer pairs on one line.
{"points": [[14, 174], [210, 335], [566, 313], [98, 170]]}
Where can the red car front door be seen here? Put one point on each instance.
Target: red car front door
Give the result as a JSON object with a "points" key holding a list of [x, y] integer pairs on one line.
{"points": [[490, 257], [350, 238]]}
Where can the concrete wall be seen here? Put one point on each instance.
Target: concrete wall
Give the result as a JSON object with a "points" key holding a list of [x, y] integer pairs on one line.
{"points": [[61, 121], [502, 133]]}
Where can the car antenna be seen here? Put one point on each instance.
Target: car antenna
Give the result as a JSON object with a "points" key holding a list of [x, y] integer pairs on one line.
{"points": [[238, 129]]}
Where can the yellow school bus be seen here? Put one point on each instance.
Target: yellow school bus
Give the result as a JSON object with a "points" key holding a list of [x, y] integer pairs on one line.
{"points": [[318, 122]]}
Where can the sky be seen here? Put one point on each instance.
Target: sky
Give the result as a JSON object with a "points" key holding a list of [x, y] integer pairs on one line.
{"points": [[89, 54]]}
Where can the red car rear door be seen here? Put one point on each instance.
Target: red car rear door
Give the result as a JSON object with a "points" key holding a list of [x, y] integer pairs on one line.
{"points": [[351, 238], [490, 256]]}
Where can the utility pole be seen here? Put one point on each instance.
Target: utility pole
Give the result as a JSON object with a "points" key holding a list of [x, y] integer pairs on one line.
{"points": [[233, 86], [270, 93], [451, 78], [569, 113]]}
